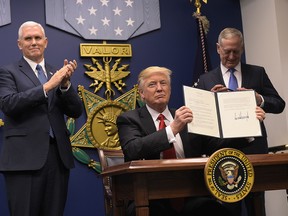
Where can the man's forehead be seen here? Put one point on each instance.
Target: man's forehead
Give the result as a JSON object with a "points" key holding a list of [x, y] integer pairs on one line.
{"points": [[32, 30], [156, 75]]}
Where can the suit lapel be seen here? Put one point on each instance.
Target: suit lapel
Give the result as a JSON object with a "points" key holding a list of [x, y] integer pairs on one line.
{"points": [[218, 77], [213, 77], [25, 68], [147, 121], [245, 76], [50, 73]]}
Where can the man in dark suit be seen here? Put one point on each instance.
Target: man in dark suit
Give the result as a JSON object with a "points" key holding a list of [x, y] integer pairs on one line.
{"points": [[230, 47], [139, 133], [142, 138], [36, 153], [138, 129]]}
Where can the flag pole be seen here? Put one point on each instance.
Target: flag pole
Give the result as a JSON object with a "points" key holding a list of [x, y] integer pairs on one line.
{"points": [[202, 61]]}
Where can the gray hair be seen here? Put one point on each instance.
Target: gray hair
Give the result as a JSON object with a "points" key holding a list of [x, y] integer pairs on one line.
{"points": [[230, 33], [29, 24]]}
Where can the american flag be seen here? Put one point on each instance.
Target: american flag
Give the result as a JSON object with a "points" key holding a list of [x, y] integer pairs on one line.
{"points": [[5, 13], [104, 19]]}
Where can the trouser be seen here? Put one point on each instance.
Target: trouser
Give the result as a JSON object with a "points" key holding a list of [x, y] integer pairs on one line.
{"points": [[248, 205], [39, 193], [193, 206]]}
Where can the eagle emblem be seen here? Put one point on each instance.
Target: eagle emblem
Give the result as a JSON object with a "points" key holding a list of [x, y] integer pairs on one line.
{"points": [[229, 173], [107, 75]]}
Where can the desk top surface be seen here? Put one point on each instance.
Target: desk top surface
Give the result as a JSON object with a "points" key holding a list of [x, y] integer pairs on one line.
{"points": [[186, 164]]}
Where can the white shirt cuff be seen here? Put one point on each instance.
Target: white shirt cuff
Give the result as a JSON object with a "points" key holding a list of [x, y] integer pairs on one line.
{"points": [[170, 135]]}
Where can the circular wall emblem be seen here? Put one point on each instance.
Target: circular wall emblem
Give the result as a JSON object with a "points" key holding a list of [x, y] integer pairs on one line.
{"points": [[101, 124], [229, 175]]}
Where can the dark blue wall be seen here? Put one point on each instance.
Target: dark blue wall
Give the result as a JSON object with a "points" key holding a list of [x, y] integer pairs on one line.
{"points": [[172, 46]]}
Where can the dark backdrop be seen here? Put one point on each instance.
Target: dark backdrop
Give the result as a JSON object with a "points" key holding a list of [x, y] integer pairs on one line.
{"points": [[172, 46]]}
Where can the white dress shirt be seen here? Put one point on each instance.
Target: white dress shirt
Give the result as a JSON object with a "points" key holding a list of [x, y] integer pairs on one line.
{"points": [[176, 140]]}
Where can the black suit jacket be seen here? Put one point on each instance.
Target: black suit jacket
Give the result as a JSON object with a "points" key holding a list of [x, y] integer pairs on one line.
{"points": [[28, 116], [253, 77], [140, 139]]}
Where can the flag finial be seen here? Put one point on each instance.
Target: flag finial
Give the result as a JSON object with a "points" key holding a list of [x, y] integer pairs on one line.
{"points": [[198, 5]]}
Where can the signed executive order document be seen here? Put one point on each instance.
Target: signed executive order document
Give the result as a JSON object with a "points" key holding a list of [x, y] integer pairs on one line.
{"points": [[222, 114]]}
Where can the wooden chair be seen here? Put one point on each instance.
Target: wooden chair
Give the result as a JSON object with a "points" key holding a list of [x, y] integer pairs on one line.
{"points": [[109, 158]]}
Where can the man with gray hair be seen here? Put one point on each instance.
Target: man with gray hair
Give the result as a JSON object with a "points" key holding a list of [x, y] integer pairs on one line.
{"points": [[234, 75], [36, 154]]}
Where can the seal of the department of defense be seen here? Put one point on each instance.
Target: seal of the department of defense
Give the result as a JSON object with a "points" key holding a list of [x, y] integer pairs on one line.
{"points": [[229, 175]]}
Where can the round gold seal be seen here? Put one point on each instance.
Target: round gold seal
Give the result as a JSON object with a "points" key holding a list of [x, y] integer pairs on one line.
{"points": [[101, 124], [229, 175]]}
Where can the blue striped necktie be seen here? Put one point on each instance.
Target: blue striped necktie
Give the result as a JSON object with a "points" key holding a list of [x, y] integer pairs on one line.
{"points": [[233, 85], [41, 76], [43, 79]]}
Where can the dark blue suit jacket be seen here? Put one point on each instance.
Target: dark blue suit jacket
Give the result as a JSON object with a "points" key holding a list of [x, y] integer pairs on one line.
{"points": [[253, 77], [28, 116], [140, 139]]}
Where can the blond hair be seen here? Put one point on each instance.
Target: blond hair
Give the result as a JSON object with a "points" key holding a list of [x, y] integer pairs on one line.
{"points": [[144, 74]]}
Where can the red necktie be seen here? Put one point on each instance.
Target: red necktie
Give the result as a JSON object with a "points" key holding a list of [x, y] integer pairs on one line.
{"points": [[169, 153], [176, 203]]}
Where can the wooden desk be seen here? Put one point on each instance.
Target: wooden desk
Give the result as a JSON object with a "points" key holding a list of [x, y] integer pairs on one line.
{"points": [[145, 180]]}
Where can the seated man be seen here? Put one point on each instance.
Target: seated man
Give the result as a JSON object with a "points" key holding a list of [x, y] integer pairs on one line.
{"points": [[155, 131]]}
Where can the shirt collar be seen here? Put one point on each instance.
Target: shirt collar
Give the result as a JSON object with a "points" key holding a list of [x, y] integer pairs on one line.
{"points": [[155, 114], [34, 64], [224, 69]]}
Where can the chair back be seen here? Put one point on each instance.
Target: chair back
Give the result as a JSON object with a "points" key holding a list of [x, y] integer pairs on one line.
{"points": [[109, 158]]}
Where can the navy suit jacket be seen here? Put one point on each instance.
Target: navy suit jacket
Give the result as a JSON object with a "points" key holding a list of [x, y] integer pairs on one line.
{"points": [[253, 77], [140, 139], [29, 115]]}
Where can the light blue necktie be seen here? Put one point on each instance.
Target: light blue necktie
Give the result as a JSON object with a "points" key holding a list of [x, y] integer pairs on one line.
{"points": [[233, 85], [43, 79], [41, 76]]}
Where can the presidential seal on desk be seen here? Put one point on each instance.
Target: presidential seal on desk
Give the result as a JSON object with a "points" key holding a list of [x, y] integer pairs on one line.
{"points": [[229, 175]]}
